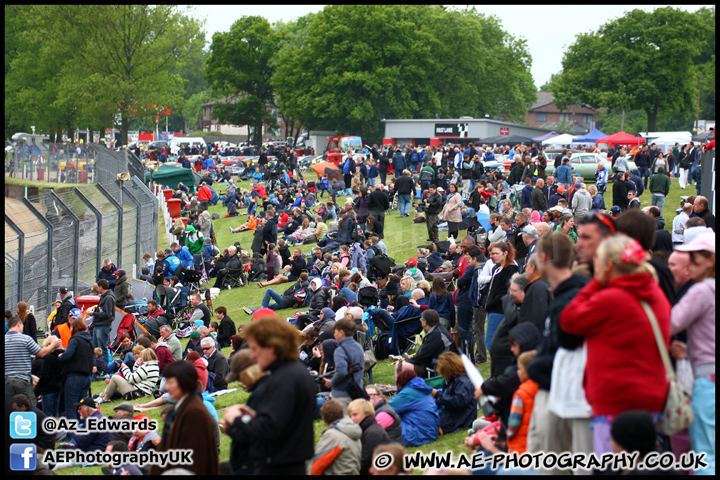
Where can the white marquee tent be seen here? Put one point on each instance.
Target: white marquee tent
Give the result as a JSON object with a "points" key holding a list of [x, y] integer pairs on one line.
{"points": [[564, 139]]}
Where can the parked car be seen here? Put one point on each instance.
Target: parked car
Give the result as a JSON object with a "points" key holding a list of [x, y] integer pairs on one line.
{"points": [[586, 164]]}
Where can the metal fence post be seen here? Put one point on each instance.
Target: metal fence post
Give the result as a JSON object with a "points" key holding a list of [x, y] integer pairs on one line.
{"points": [[138, 254], [76, 243], [50, 228], [99, 218], [21, 255], [120, 219]]}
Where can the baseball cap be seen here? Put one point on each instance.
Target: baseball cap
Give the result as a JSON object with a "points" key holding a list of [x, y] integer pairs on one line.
{"points": [[566, 160], [446, 264], [194, 335], [125, 406], [120, 272], [577, 185], [63, 290], [530, 231], [615, 210], [263, 312], [705, 242], [440, 189], [561, 190], [240, 361], [86, 402], [412, 262], [75, 313], [556, 208]]}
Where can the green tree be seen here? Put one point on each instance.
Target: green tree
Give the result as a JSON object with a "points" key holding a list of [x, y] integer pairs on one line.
{"points": [[105, 59], [360, 63], [643, 60], [239, 68]]}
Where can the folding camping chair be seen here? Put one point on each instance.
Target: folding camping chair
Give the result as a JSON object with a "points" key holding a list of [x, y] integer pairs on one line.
{"points": [[402, 335], [235, 278], [447, 277]]}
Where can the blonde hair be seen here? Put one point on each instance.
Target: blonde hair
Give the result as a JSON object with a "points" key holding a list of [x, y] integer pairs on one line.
{"points": [[593, 190], [137, 350], [49, 340], [423, 285], [525, 358], [611, 250], [148, 354], [410, 282], [363, 406], [97, 351]]}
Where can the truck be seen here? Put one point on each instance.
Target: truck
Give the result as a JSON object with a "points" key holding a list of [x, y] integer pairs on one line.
{"points": [[340, 144]]}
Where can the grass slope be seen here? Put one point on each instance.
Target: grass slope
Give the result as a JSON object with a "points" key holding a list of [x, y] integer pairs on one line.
{"points": [[402, 238]]}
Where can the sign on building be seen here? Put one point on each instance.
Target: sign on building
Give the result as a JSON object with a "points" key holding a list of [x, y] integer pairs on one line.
{"points": [[504, 130], [451, 130]]}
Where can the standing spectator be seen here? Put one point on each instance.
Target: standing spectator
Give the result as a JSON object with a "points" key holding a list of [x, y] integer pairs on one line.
{"points": [[405, 188], [280, 428], [77, 361], [19, 349], [189, 425], [378, 204], [623, 276], [49, 385], [563, 173], [362, 413], [502, 255], [538, 198], [348, 357], [695, 312], [28, 319], [122, 290], [643, 162], [700, 207], [204, 195], [68, 303], [581, 201], [451, 211], [601, 178], [678, 224], [103, 315], [659, 187], [107, 272]]}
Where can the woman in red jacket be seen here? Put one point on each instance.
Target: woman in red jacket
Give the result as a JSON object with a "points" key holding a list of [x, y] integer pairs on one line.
{"points": [[624, 370]]}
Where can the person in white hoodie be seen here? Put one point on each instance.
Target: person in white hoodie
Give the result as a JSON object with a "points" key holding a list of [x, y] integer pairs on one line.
{"points": [[582, 200]]}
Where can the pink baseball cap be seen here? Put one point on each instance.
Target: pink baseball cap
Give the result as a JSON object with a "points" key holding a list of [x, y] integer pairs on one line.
{"points": [[705, 242]]}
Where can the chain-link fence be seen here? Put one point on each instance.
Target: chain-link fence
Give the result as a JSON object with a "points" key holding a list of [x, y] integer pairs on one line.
{"points": [[59, 238], [51, 162]]}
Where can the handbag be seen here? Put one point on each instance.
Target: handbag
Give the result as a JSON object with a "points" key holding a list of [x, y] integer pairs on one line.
{"points": [[677, 414], [354, 390], [567, 395]]}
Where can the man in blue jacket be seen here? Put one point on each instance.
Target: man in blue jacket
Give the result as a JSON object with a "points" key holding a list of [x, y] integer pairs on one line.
{"points": [[563, 174], [398, 163], [93, 440], [107, 272], [183, 254], [349, 362]]}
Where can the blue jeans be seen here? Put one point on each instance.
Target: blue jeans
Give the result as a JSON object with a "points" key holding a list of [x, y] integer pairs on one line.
{"points": [[115, 364], [404, 205], [494, 320], [101, 339], [658, 199], [702, 430], [691, 175], [271, 294], [76, 387], [465, 324], [51, 404], [371, 181], [644, 174]]}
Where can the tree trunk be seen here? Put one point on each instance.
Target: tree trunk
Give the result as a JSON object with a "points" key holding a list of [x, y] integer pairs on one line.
{"points": [[124, 127], [258, 133], [652, 118]]}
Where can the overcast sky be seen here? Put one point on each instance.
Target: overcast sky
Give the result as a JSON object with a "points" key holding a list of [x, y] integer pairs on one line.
{"points": [[548, 29]]}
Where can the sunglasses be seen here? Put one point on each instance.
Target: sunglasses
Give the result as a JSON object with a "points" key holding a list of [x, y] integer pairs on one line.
{"points": [[207, 348]]}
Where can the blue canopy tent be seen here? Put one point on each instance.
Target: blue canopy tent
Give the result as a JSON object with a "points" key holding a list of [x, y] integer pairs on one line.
{"points": [[591, 137], [542, 138]]}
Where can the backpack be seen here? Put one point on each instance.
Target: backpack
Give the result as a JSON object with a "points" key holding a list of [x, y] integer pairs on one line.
{"points": [[300, 298], [368, 297], [382, 351]]}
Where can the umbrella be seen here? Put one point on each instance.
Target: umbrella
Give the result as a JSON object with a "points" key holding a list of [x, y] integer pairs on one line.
{"points": [[484, 219], [329, 169]]}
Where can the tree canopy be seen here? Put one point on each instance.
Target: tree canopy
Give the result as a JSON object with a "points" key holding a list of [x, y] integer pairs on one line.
{"points": [[352, 65], [641, 61], [101, 60]]}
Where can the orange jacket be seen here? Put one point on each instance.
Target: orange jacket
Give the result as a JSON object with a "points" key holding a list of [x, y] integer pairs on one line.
{"points": [[526, 392], [65, 333]]}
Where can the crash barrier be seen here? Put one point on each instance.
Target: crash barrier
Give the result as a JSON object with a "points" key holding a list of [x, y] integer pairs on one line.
{"points": [[60, 237]]}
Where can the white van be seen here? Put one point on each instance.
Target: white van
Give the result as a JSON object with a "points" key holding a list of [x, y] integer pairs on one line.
{"points": [[177, 142]]}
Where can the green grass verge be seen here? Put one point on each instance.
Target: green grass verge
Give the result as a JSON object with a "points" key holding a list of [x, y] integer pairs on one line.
{"points": [[402, 238]]}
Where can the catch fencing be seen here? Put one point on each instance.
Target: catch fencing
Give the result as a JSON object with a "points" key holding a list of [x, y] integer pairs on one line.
{"points": [[60, 237]]}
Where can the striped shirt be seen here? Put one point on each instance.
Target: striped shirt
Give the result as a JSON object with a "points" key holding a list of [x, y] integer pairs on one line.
{"points": [[18, 350], [144, 377]]}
